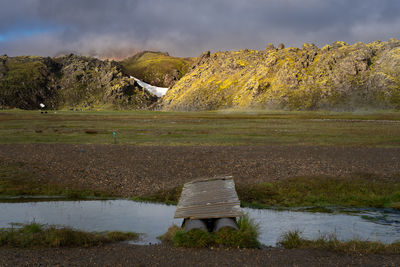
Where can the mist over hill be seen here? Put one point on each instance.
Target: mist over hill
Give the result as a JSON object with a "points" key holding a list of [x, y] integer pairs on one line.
{"points": [[68, 82], [335, 77]]}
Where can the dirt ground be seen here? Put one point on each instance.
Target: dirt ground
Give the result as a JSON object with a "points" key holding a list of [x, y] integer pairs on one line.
{"points": [[142, 170], [162, 255]]}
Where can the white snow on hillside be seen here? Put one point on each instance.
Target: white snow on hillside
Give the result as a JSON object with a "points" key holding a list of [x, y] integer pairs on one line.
{"points": [[158, 91]]}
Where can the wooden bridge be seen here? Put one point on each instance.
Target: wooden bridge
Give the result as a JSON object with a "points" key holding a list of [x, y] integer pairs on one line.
{"points": [[209, 199]]}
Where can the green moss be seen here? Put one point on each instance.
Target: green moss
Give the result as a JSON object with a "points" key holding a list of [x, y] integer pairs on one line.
{"points": [[153, 67]]}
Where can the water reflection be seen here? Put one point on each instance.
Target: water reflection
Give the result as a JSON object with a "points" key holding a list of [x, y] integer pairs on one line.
{"points": [[154, 219]]}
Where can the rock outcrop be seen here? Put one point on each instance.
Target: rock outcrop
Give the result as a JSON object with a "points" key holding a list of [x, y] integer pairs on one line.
{"points": [[68, 82], [336, 77], [156, 68]]}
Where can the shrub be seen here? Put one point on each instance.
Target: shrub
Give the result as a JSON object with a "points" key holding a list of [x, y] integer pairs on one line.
{"points": [[245, 237], [291, 239], [195, 238]]}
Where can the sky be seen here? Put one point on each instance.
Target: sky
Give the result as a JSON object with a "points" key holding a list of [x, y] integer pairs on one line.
{"points": [[119, 28]]}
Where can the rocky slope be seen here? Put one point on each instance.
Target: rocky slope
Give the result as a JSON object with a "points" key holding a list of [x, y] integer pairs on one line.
{"points": [[156, 68], [335, 77], [68, 82]]}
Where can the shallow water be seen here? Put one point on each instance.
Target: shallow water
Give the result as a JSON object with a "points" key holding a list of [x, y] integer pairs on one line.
{"points": [[154, 219]]}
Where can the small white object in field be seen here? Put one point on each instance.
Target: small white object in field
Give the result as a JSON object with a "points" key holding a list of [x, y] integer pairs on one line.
{"points": [[41, 105]]}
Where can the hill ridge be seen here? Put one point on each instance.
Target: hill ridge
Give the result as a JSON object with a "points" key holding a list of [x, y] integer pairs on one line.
{"points": [[335, 77]]}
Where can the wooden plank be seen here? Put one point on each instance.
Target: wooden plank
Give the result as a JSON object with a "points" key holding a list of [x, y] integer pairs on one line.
{"points": [[209, 198]]}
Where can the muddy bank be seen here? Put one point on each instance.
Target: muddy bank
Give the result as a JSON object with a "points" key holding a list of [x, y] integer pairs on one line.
{"points": [[162, 255], [141, 170]]}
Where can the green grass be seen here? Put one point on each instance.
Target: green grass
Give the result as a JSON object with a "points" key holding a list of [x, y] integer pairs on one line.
{"points": [[16, 180], [358, 191], [201, 128], [294, 240], [311, 193], [169, 197], [195, 238], [245, 237], [37, 235]]}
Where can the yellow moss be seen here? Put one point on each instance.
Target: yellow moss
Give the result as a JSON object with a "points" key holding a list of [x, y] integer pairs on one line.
{"points": [[225, 84], [242, 62], [341, 43], [396, 53], [326, 47], [317, 58]]}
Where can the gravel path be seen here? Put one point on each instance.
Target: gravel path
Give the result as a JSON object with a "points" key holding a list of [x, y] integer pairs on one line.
{"points": [[162, 255], [140, 170]]}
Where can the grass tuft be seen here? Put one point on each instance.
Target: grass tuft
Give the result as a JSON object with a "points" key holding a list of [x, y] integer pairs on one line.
{"points": [[167, 237], [37, 235], [195, 238], [293, 240], [245, 237]]}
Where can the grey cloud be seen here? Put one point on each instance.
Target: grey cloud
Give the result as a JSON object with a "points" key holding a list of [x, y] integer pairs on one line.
{"points": [[186, 28]]}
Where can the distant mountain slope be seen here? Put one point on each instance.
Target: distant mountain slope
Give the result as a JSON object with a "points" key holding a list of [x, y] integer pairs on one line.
{"points": [[158, 91], [68, 82], [335, 77], [156, 68]]}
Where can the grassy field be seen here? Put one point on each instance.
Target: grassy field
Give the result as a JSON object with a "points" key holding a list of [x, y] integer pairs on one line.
{"points": [[361, 191], [380, 129]]}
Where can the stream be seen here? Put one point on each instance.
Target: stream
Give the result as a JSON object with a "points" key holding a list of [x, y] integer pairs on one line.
{"points": [[153, 220]]}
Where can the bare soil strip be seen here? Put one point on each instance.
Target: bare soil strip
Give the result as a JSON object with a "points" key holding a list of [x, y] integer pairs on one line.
{"points": [[143, 170], [161, 255]]}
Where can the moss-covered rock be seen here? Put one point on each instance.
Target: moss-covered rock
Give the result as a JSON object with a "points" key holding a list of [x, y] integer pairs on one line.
{"points": [[156, 68], [68, 82], [336, 77]]}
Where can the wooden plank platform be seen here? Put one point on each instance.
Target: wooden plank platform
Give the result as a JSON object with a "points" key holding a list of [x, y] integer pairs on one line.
{"points": [[209, 198]]}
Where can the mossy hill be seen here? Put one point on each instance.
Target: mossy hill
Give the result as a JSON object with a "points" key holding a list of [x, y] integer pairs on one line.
{"points": [[68, 82], [335, 77], [156, 68]]}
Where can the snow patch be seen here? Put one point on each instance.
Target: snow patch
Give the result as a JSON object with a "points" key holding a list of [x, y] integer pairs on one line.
{"points": [[158, 91]]}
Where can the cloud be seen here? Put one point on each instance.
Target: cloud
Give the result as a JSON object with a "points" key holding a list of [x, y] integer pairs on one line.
{"points": [[188, 27]]}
